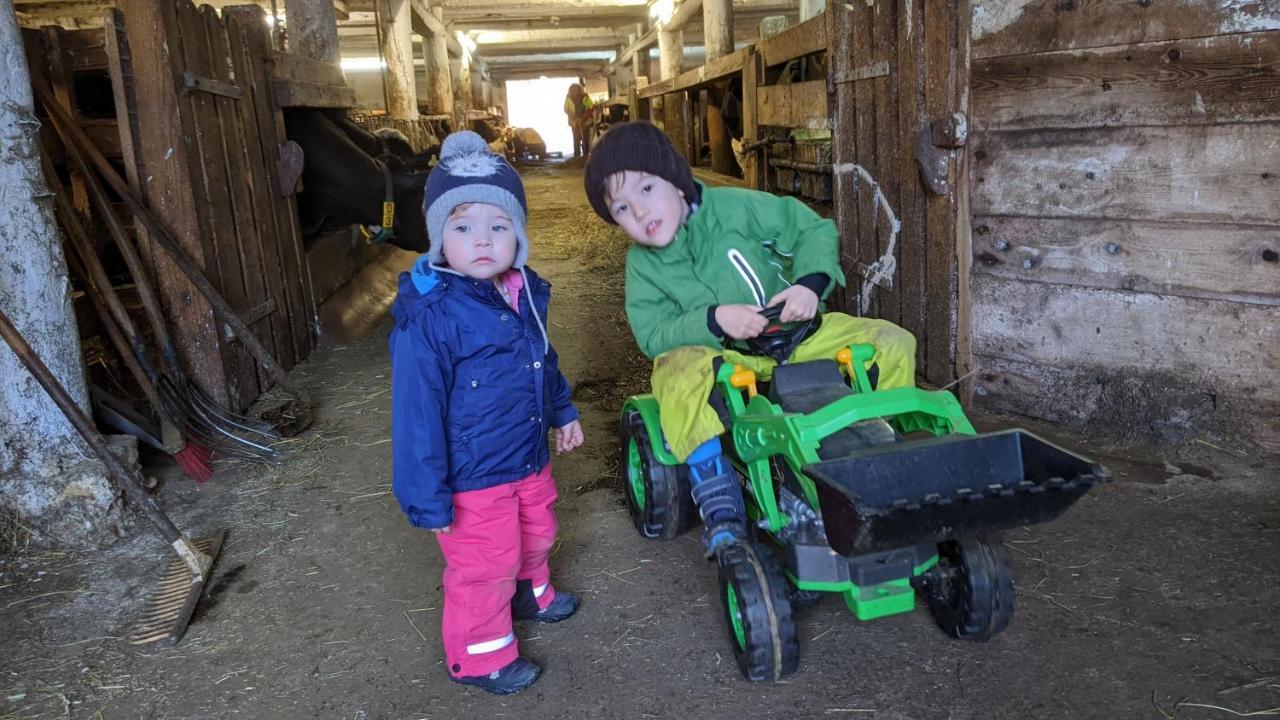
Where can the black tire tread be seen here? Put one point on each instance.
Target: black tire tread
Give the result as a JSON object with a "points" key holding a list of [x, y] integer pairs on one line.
{"points": [[773, 650], [668, 510], [987, 600]]}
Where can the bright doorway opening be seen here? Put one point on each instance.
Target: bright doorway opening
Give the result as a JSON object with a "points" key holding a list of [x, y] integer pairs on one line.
{"points": [[539, 104]]}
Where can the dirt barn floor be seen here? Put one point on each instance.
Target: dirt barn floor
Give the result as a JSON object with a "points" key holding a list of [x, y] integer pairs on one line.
{"points": [[1157, 596]]}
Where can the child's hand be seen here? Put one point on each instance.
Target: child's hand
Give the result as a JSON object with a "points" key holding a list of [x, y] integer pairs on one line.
{"points": [[741, 322], [446, 529], [801, 303], [568, 437]]}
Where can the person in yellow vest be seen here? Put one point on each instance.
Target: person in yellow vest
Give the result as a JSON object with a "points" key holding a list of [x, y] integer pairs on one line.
{"points": [[580, 110]]}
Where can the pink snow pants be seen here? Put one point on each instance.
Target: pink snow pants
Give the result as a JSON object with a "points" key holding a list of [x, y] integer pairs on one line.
{"points": [[499, 535]]}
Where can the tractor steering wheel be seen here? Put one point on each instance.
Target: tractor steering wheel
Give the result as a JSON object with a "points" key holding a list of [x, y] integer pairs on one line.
{"points": [[780, 339]]}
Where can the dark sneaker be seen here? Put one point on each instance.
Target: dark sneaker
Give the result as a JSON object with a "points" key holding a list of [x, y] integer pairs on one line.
{"points": [[562, 606], [516, 676], [720, 536]]}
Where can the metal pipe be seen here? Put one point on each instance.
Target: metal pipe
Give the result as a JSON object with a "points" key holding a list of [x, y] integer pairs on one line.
{"points": [[786, 164]]}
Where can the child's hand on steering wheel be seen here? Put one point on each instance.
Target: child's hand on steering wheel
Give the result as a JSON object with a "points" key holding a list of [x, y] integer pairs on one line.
{"points": [[741, 322], [798, 303]]}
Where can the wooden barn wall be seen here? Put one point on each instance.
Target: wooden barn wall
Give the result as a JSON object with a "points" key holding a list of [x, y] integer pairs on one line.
{"points": [[1126, 214]]}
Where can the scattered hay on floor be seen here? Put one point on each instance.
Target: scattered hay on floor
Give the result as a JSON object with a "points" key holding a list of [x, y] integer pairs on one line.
{"points": [[15, 537]]}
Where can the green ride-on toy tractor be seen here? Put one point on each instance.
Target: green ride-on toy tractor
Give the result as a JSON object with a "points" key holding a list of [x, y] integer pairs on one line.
{"points": [[873, 494]]}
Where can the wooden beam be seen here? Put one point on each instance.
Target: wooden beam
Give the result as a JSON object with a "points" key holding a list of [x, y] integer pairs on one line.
{"points": [[806, 38], [642, 43], [1193, 173], [1045, 26], [1139, 256], [726, 66], [801, 105], [300, 68], [688, 10], [300, 94], [1207, 81], [313, 29]]}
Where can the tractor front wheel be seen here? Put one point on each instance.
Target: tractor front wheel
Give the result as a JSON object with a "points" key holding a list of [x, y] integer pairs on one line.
{"points": [[757, 611], [970, 591], [658, 496]]}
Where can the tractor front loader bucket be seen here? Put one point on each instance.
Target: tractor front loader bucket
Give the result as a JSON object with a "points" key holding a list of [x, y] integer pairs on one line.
{"points": [[928, 491]]}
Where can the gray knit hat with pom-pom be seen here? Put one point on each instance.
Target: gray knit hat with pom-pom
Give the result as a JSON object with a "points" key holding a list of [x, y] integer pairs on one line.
{"points": [[468, 172]]}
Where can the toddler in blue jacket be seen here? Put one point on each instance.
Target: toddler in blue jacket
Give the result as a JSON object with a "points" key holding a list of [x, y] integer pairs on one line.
{"points": [[475, 389]]}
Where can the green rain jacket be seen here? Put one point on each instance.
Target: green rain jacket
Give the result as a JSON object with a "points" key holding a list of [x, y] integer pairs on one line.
{"points": [[738, 246]]}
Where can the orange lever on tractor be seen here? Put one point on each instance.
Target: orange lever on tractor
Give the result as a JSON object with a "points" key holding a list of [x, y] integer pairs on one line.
{"points": [[743, 378]]}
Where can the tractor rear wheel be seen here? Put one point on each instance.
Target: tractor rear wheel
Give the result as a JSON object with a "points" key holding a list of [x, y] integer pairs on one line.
{"points": [[658, 496], [970, 591], [755, 597]]}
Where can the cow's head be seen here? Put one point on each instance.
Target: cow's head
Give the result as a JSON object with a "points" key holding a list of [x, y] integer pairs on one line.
{"points": [[343, 183]]}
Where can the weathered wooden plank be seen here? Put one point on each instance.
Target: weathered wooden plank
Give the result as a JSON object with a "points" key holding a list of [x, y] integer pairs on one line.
{"points": [[1240, 263], [262, 196], [801, 105], [164, 177], [962, 355], [888, 163], [300, 68], [1225, 173], [247, 190], [249, 34], [299, 94], [868, 246], [1019, 27], [715, 179], [1229, 78], [662, 87], [717, 69], [1121, 405], [808, 37], [940, 100], [218, 218], [844, 152], [753, 170], [120, 69], [84, 50], [1232, 346], [105, 135], [59, 77], [908, 74]]}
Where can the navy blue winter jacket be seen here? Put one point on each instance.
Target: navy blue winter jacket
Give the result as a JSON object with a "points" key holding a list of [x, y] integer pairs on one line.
{"points": [[475, 388]]}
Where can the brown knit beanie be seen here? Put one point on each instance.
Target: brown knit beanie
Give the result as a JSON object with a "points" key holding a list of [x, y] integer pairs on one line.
{"points": [[638, 147]]}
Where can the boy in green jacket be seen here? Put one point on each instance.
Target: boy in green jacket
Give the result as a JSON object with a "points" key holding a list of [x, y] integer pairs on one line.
{"points": [[705, 262]]}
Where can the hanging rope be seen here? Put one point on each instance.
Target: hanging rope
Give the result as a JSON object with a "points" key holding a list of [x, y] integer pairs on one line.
{"points": [[884, 267]]}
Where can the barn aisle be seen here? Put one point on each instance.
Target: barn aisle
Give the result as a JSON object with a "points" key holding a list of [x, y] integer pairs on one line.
{"points": [[326, 604]]}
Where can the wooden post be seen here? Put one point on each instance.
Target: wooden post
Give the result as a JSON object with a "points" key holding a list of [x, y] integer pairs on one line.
{"points": [[717, 28], [397, 50], [752, 170], [477, 86], [38, 446], [439, 80], [461, 90], [312, 29], [670, 52]]}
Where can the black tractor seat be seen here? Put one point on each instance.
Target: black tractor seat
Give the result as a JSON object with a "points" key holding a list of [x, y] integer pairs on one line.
{"points": [[809, 386]]}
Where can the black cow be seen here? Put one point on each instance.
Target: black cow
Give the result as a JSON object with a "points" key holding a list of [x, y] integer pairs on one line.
{"points": [[343, 183]]}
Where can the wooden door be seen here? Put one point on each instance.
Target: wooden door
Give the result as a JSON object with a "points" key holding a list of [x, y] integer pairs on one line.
{"points": [[899, 78]]}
